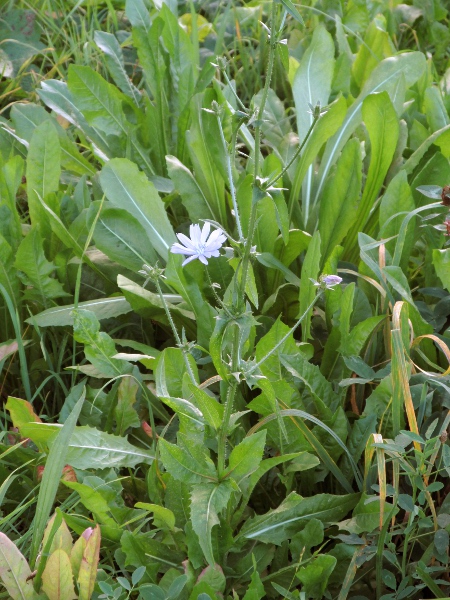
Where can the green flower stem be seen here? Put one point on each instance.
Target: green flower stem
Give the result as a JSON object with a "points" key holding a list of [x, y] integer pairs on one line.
{"points": [[231, 179], [229, 405], [175, 333], [240, 300], [285, 337], [294, 158], [252, 223], [273, 45]]}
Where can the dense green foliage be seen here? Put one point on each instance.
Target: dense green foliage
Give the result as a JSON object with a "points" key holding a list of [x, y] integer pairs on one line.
{"points": [[249, 428]]}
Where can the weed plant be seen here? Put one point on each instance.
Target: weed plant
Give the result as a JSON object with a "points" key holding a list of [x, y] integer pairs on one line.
{"points": [[225, 300]]}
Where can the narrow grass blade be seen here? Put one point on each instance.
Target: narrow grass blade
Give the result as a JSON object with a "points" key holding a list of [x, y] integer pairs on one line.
{"points": [[52, 474]]}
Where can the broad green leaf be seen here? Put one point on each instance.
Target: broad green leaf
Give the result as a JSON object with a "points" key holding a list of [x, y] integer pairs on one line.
{"points": [[339, 202], [441, 262], [310, 270], [312, 85], [57, 534], [90, 448], [434, 108], [189, 190], [99, 101], [207, 501], [163, 517], [315, 575], [59, 316], [76, 555], [170, 370], [107, 42], [395, 204], [99, 348], [272, 367], [326, 127], [43, 172], [299, 366], [128, 188], [366, 514], [94, 501], [199, 143], [246, 457], [124, 413], [141, 549], [255, 590], [57, 96], [381, 122], [57, 578], [123, 239], [35, 270], [149, 304], [276, 526], [376, 46], [88, 568], [211, 409], [184, 466], [15, 574], [27, 117], [21, 412], [387, 76], [137, 13]]}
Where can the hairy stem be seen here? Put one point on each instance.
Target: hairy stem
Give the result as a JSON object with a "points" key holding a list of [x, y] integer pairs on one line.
{"points": [[175, 333]]}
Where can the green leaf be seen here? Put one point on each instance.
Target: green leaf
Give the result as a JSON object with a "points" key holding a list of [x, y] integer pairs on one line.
{"points": [[21, 412], [199, 142], [395, 204], [312, 84], [57, 458], [292, 10], [339, 202], [128, 188], [191, 193], [246, 457], [308, 291], [94, 501], [381, 122], [211, 409], [255, 590], [43, 172], [35, 270], [170, 370], [376, 46], [441, 262], [149, 304], [59, 316], [326, 127], [107, 42], [15, 574], [98, 346], [277, 525], [387, 76], [99, 101], [187, 466], [57, 578], [163, 517], [207, 500], [124, 413], [123, 239], [90, 448], [8, 274], [88, 567], [315, 575]]}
